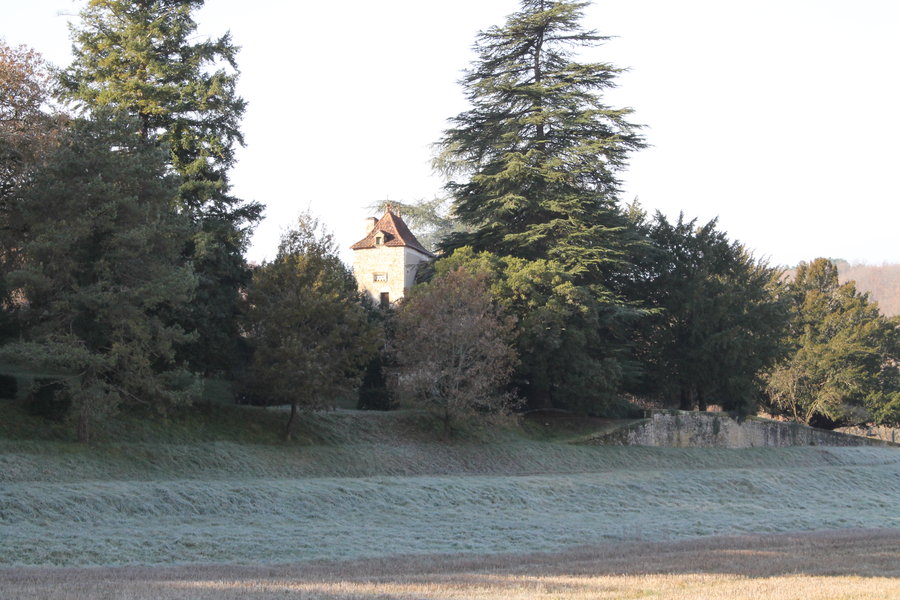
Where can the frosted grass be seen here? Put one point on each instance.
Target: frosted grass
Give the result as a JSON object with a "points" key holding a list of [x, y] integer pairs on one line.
{"points": [[47, 461], [372, 484], [271, 520]]}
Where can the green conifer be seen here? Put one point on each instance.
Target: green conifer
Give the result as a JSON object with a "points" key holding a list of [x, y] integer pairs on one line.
{"points": [[143, 58], [100, 265], [533, 175]]}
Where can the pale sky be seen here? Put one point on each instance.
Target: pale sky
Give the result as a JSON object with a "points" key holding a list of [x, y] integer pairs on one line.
{"points": [[781, 117]]}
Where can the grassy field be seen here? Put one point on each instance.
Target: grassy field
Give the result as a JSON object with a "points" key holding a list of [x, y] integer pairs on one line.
{"points": [[223, 489]]}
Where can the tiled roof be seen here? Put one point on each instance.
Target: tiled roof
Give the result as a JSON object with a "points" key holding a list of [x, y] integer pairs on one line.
{"points": [[396, 233]]}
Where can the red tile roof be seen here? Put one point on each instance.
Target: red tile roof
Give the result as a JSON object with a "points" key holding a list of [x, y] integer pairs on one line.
{"points": [[396, 233]]}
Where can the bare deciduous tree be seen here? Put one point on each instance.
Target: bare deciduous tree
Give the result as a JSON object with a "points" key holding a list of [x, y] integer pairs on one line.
{"points": [[452, 347]]}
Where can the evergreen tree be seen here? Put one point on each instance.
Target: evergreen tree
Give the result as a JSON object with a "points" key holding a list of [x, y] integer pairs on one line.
{"points": [[843, 369], [308, 330], [535, 162], [718, 317], [141, 57], [538, 148], [100, 262]]}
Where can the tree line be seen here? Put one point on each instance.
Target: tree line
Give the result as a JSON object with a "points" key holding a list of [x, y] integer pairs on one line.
{"points": [[123, 268]]}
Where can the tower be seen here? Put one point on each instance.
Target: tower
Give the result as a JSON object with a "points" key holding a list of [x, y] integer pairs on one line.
{"points": [[385, 262]]}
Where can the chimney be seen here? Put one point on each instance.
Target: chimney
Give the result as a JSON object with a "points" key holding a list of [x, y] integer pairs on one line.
{"points": [[370, 224]]}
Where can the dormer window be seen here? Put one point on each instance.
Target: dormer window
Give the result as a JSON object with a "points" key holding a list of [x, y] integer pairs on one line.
{"points": [[379, 239]]}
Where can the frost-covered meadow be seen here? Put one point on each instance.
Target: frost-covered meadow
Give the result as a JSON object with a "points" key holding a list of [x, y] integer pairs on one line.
{"points": [[372, 495]]}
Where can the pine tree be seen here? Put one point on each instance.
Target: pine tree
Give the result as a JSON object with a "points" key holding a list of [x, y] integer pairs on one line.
{"points": [[100, 248], [535, 162], [141, 57], [539, 148]]}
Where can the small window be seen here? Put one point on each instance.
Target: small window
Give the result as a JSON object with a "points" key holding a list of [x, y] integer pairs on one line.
{"points": [[379, 277], [379, 239], [385, 300]]}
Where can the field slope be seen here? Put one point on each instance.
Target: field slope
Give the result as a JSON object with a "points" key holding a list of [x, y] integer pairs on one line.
{"points": [[367, 485]]}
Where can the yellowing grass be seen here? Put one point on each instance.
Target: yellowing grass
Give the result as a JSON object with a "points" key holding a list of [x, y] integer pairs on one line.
{"points": [[671, 587], [848, 565]]}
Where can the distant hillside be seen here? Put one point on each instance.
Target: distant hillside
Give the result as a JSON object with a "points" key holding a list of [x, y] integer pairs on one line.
{"points": [[882, 282]]}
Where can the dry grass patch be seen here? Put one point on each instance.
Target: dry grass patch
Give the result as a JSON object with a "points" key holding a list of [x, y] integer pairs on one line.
{"points": [[673, 587], [859, 564]]}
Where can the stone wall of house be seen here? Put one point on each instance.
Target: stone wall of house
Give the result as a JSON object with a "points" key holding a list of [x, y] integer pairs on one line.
{"points": [[386, 269], [682, 429], [412, 259]]}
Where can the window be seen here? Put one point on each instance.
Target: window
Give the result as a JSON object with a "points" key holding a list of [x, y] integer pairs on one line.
{"points": [[379, 277], [379, 239], [385, 300]]}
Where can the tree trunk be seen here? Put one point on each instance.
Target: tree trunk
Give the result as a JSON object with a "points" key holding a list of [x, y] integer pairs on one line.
{"points": [[538, 78], [701, 400], [289, 431], [83, 428], [687, 398]]}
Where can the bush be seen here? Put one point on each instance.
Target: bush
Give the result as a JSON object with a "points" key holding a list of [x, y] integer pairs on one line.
{"points": [[48, 399]]}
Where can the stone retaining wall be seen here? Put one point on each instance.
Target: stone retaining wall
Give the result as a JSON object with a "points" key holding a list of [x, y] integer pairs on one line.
{"points": [[682, 429], [888, 434]]}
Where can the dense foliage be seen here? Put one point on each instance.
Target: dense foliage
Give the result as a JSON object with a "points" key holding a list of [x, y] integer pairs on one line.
{"points": [[143, 58], [844, 365], [717, 317], [308, 330], [122, 272], [538, 149], [98, 263], [554, 333], [534, 163]]}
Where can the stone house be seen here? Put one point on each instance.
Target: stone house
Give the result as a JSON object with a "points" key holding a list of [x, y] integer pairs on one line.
{"points": [[386, 260]]}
